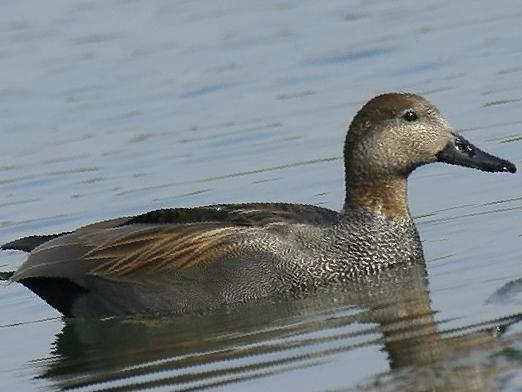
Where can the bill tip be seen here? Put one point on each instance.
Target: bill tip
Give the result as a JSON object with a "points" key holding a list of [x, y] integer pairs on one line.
{"points": [[510, 168]]}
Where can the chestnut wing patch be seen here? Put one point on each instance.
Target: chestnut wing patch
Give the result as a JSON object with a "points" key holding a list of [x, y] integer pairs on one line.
{"points": [[161, 249]]}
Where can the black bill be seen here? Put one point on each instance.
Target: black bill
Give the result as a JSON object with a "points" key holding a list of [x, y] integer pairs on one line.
{"points": [[459, 151]]}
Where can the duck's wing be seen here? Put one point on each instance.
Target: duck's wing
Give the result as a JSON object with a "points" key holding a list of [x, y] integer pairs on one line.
{"points": [[161, 242], [248, 214], [122, 253]]}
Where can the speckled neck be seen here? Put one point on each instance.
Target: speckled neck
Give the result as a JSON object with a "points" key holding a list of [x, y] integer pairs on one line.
{"points": [[386, 197]]}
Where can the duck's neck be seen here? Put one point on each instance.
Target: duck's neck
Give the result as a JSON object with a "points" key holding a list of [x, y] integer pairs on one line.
{"points": [[387, 197]]}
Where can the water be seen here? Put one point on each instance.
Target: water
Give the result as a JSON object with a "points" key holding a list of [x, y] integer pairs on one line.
{"points": [[118, 107]]}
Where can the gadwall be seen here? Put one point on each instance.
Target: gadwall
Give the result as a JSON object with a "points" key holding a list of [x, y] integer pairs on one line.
{"points": [[192, 259]]}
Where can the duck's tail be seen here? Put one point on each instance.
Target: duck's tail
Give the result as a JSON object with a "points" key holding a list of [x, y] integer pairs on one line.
{"points": [[6, 275], [27, 244]]}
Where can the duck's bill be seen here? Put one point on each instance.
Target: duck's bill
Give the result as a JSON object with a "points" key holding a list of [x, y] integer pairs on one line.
{"points": [[459, 151]]}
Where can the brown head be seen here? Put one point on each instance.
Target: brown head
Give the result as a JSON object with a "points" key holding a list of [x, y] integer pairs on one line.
{"points": [[392, 135]]}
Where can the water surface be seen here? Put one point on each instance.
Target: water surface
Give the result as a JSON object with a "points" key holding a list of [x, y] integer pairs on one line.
{"points": [[118, 107]]}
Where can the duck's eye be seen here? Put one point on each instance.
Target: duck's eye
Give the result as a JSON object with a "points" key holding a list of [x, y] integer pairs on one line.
{"points": [[410, 116]]}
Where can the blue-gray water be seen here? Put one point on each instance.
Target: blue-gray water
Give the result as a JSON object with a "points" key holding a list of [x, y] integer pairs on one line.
{"points": [[116, 107]]}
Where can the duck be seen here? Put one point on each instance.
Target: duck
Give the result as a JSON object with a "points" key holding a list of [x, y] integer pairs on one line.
{"points": [[180, 260]]}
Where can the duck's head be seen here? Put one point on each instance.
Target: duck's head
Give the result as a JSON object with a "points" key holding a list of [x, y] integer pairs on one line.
{"points": [[392, 135], [395, 133]]}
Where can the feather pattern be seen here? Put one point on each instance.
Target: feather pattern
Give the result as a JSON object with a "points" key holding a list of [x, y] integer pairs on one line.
{"points": [[161, 249]]}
